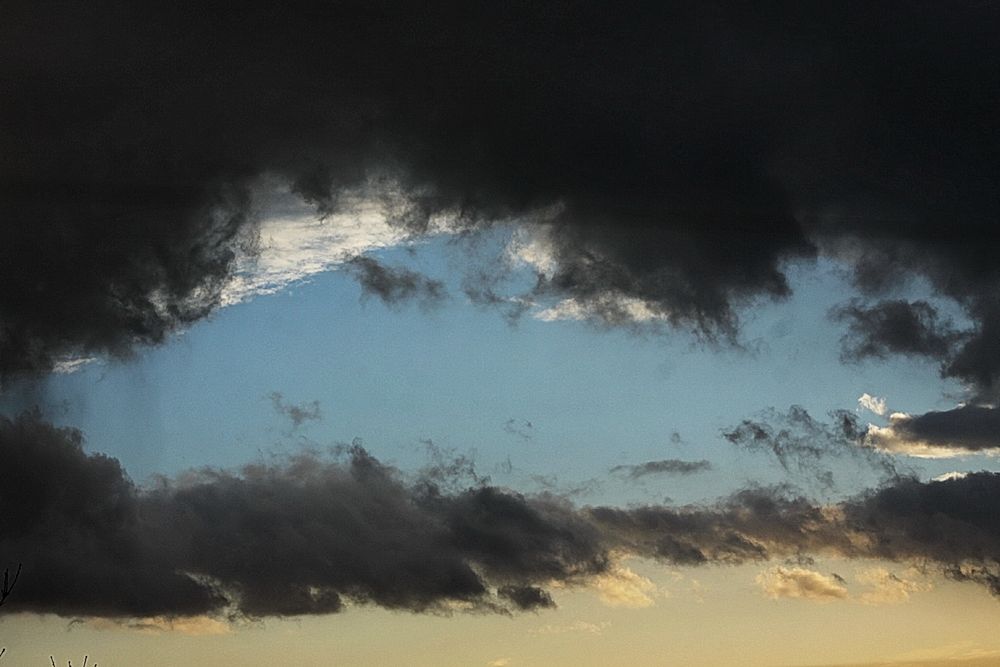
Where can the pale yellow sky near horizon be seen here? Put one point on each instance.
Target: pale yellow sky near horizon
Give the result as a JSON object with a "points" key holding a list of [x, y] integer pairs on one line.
{"points": [[651, 615]]}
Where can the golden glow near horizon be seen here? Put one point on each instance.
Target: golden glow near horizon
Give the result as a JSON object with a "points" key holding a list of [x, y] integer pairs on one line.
{"points": [[644, 614]]}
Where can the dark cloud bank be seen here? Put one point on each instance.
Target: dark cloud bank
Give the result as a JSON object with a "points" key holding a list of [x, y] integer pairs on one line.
{"points": [[689, 149], [684, 152], [306, 536]]}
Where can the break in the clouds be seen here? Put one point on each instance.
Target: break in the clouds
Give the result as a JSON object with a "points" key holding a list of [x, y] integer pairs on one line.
{"points": [[670, 160], [664, 467], [961, 431], [294, 243], [311, 535]]}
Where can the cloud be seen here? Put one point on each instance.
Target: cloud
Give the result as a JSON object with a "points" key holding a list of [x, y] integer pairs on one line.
{"points": [[797, 582], [886, 587], [883, 586], [328, 532], [874, 404], [527, 597], [192, 626], [585, 627], [298, 414], [395, 285], [621, 587], [801, 443], [323, 532], [948, 476], [665, 467], [133, 173], [950, 524], [895, 327], [963, 430], [294, 242], [609, 308], [521, 428]]}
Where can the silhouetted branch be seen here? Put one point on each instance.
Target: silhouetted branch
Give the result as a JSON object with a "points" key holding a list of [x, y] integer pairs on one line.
{"points": [[8, 584], [69, 663]]}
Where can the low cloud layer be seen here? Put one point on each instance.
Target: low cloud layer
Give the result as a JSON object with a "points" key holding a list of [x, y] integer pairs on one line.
{"points": [[311, 535]]}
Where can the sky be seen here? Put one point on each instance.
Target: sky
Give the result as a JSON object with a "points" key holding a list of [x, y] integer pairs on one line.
{"points": [[521, 334]]}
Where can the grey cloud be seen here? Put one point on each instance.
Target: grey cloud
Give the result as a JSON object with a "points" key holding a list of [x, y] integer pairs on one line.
{"points": [[665, 467], [895, 327], [395, 285], [527, 597], [298, 414], [801, 443], [521, 428]]}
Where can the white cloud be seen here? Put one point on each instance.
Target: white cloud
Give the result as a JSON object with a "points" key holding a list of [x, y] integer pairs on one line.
{"points": [[71, 364], [298, 244], [612, 307], [949, 476], [192, 626], [534, 247], [621, 587], [874, 404], [797, 582], [887, 587]]}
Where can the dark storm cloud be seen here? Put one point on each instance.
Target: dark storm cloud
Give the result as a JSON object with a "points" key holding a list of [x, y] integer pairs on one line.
{"points": [[665, 467], [895, 327], [310, 535], [965, 429], [395, 285], [297, 414], [301, 538], [74, 520], [683, 151]]}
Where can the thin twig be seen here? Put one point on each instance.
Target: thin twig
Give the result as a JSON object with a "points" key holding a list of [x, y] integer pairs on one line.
{"points": [[8, 585]]}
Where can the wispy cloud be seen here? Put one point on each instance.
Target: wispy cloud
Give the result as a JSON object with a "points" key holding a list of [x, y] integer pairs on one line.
{"points": [[664, 467], [874, 404], [297, 414]]}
